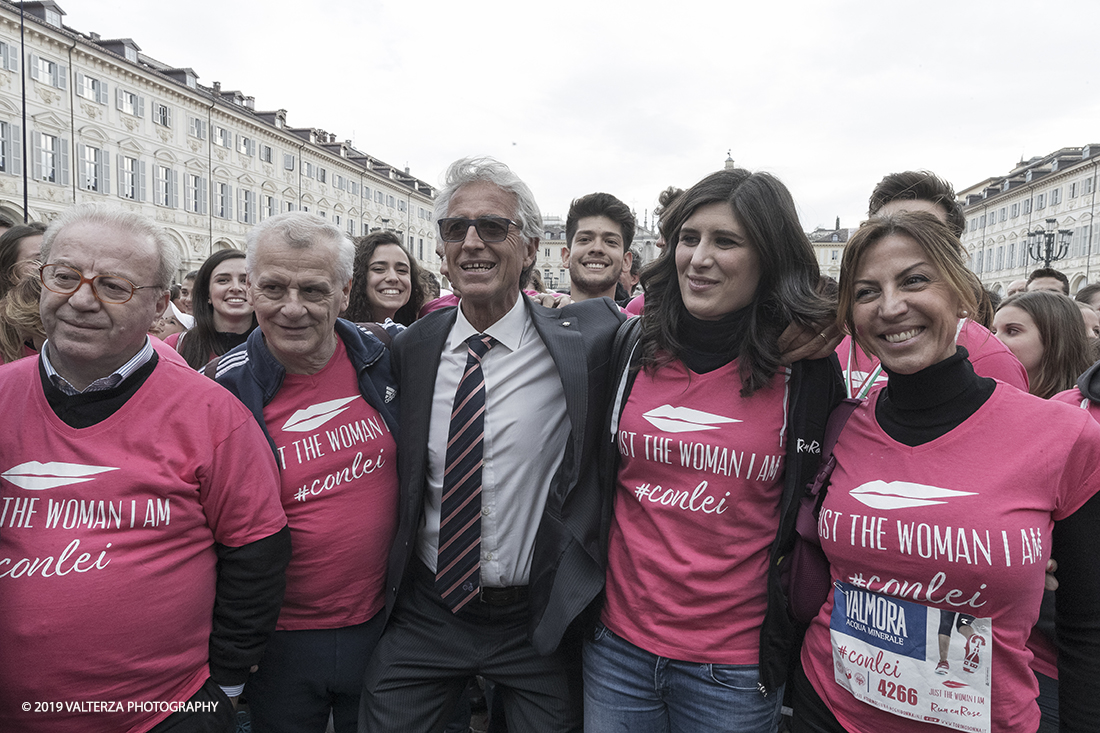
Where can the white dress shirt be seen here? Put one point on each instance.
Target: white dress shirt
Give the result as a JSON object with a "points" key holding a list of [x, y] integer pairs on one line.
{"points": [[526, 428]]}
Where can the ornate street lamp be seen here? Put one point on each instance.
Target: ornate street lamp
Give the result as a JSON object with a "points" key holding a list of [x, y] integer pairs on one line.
{"points": [[1041, 246]]}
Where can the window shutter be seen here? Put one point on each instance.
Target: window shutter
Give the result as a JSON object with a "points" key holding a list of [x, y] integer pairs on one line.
{"points": [[140, 173], [205, 195], [15, 150], [34, 67], [101, 93], [175, 182], [104, 164], [118, 97], [63, 168], [193, 126], [37, 163], [61, 76], [81, 176], [228, 201], [140, 106], [79, 84], [251, 147]]}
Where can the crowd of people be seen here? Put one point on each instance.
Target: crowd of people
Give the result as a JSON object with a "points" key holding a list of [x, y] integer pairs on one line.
{"points": [[305, 479]]}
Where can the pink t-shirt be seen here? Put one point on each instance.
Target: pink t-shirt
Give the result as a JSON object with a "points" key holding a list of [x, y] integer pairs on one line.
{"points": [[696, 511], [107, 559], [635, 306], [910, 531], [989, 357], [338, 465], [1074, 397]]}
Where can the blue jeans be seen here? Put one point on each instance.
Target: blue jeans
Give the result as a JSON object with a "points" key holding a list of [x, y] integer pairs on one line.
{"points": [[629, 689]]}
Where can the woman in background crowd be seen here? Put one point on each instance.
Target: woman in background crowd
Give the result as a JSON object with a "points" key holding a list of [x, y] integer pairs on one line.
{"points": [[1047, 334], [19, 253], [907, 469], [385, 284], [223, 315], [694, 633], [21, 332]]}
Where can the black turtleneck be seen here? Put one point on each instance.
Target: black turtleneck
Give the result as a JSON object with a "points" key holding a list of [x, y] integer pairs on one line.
{"points": [[227, 340], [708, 345], [918, 408]]}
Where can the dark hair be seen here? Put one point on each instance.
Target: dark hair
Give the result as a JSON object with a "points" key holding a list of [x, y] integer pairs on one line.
{"points": [[919, 186], [1066, 351], [202, 340], [9, 250], [939, 245], [787, 290], [1085, 294], [359, 309], [430, 283], [600, 204], [1050, 272], [6, 221]]}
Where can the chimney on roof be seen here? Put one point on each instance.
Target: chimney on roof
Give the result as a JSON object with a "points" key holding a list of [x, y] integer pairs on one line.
{"points": [[250, 102], [838, 223], [218, 87], [94, 36]]}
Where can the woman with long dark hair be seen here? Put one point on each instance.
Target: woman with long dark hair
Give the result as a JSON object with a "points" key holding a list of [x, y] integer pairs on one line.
{"points": [[1046, 333], [385, 284], [694, 633], [223, 315]]}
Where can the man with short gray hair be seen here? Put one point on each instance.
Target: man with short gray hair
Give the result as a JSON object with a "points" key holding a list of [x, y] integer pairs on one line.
{"points": [[323, 392], [143, 543]]}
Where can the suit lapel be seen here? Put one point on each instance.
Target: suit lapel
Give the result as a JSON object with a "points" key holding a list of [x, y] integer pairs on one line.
{"points": [[563, 339]]}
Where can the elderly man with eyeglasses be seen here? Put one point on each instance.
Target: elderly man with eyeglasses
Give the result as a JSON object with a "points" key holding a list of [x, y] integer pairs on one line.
{"points": [[497, 555], [142, 542]]}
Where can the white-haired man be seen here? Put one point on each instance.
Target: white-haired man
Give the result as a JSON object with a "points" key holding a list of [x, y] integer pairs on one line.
{"points": [[143, 542]]}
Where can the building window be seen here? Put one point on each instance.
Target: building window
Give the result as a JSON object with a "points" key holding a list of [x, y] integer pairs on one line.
{"points": [[223, 137], [246, 145], [197, 128], [1056, 197], [1027, 206], [389, 201], [162, 114], [307, 169], [290, 207], [90, 88], [1073, 190], [11, 148], [131, 178], [130, 103], [1004, 214], [1000, 258], [366, 192], [51, 158], [338, 181], [266, 153], [1086, 186], [351, 227], [93, 173], [269, 207], [1015, 210], [981, 222], [379, 197], [196, 194], [49, 72], [1040, 201], [401, 205], [322, 175], [167, 187], [353, 188], [9, 56], [223, 201], [288, 162], [247, 209]]}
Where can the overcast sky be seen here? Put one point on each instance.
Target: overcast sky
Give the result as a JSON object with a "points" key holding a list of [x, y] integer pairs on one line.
{"points": [[630, 97]]}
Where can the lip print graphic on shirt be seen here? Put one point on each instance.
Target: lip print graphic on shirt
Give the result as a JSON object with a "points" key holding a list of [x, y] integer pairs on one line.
{"points": [[880, 494], [669, 419], [310, 418], [36, 476]]}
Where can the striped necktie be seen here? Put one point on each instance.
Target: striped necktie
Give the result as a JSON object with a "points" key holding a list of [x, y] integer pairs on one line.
{"points": [[458, 567]]}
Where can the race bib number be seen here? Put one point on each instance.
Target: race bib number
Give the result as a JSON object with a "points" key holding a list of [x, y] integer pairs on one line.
{"points": [[911, 660]]}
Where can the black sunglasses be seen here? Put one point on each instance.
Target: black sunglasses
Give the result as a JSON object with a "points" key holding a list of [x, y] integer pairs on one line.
{"points": [[489, 228]]}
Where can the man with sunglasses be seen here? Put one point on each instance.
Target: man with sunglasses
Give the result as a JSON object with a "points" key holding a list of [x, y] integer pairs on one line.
{"points": [[497, 551], [143, 543]]}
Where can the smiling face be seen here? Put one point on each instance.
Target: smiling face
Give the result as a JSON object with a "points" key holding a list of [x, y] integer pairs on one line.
{"points": [[905, 312], [297, 299], [90, 339], [185, 294], [388, 282], [595, 258], [718, 267], [1016, 329], [486, 274], [229, 294]]}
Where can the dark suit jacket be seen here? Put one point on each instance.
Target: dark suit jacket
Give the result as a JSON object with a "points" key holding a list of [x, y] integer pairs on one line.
{"points": [[566, 570]]}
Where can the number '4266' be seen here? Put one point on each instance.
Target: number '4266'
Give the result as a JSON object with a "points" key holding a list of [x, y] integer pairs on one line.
{"points": [[901, 693]]}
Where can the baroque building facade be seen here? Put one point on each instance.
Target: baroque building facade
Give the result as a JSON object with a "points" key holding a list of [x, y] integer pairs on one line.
{"points": [[1055, 191], [105, 123]]}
